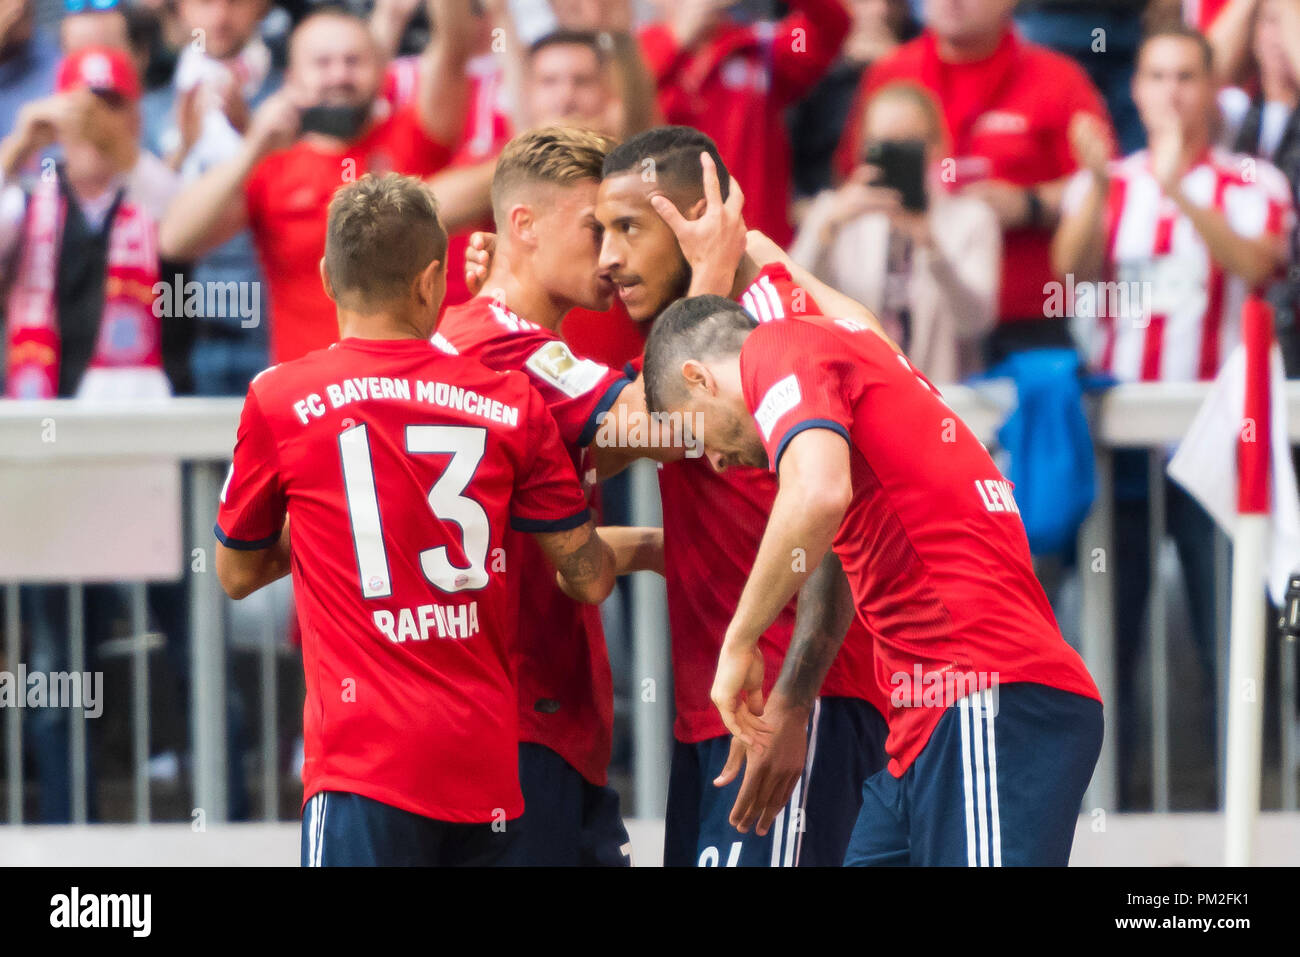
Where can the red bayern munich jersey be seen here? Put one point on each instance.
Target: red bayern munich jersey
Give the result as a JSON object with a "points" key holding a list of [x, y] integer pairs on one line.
{"points": [[566, 690], [401, 469], [932, 542], [713, 523]]}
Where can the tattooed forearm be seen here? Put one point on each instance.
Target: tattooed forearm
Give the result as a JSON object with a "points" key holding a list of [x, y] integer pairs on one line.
{"points": [[822, 616], [585, 563]]}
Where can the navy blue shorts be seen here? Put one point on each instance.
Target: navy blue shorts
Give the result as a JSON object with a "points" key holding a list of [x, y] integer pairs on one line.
{"points": [[999, 783], [567, 820], [340, 829], [846, 745]]}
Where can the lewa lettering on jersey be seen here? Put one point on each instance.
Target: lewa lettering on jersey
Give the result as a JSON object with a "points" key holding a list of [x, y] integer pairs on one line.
{"points": [[554, 364], [780, 399], [428, 621], [996, 495]]}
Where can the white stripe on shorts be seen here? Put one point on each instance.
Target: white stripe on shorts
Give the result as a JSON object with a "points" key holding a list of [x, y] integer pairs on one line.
{"points": [[310, 837], [995, 822], [320, 834], [963, 712], [980, 789]]}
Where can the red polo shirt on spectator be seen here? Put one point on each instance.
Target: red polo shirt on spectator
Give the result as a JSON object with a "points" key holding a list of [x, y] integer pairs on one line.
{"points": [[1009, 117], [734, 85], [287, 197]]}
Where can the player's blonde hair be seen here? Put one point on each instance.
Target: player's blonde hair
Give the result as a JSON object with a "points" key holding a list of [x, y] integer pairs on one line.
{"points": [[383, 232], [553, 155]]}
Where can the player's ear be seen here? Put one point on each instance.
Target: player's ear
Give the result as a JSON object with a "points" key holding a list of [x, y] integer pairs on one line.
{"points": [[429, 285], [523, 224], [696, 375], [696, 209], [325, 280]]}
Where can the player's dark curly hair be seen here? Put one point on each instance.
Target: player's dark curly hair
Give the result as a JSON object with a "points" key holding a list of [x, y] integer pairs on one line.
{"points": [[673, 153], [700, 328]]}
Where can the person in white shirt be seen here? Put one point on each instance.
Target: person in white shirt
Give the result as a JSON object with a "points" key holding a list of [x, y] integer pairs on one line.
{"points": [[1175, 237], [1179, 233]]}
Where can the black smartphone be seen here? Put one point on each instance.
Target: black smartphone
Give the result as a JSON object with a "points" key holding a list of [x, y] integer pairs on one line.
{"points": [[902, 167], [342, 122]]}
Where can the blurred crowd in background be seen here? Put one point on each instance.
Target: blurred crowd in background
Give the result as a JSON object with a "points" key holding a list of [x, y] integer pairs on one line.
{"points": [[1067, 194]]}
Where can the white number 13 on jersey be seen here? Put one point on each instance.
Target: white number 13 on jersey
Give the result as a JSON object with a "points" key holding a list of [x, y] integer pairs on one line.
{"points": [[465, 445]]}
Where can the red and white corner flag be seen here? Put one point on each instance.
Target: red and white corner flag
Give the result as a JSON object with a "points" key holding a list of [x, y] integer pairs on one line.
{"points": [[1243, 423]]}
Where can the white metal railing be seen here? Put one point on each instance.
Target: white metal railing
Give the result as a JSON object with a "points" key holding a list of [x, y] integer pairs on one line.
{"points": [[201, 432]]}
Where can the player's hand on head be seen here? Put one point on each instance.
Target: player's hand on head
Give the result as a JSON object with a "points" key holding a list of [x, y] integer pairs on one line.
{"points": [[714, 243], [478, 260]]}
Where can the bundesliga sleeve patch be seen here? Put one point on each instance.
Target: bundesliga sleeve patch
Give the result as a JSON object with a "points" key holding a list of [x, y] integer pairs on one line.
{"points": [[555, 364], [780, 399]]}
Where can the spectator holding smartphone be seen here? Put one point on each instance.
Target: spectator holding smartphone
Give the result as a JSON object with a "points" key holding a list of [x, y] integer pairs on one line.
{"points": [[328, 126], [1007, 105], [934, 287]]}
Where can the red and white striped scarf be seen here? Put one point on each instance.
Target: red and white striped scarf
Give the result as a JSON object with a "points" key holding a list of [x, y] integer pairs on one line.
{"points": [[130, 333]]}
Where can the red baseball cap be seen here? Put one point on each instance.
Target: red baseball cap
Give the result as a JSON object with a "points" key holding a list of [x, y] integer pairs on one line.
{"points": [[99, 69]]}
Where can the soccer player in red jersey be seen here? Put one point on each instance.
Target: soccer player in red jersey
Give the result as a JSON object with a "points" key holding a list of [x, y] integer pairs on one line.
{"points": [[543, 195], [400, 469], [994, 722], [712, 526]]}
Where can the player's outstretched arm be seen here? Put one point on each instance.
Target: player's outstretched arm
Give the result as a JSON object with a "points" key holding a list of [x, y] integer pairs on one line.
{"points": [[832, 302], [636, 549], [814, 494], [242, 571], [584, 562], [629, 432], [822, 618]]}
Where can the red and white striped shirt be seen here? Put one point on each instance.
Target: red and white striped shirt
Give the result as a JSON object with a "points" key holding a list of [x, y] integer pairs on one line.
{"points": [[1167, 311]]}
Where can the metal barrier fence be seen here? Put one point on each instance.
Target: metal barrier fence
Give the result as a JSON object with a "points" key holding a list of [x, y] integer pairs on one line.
{"points": [[63, 465]]}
